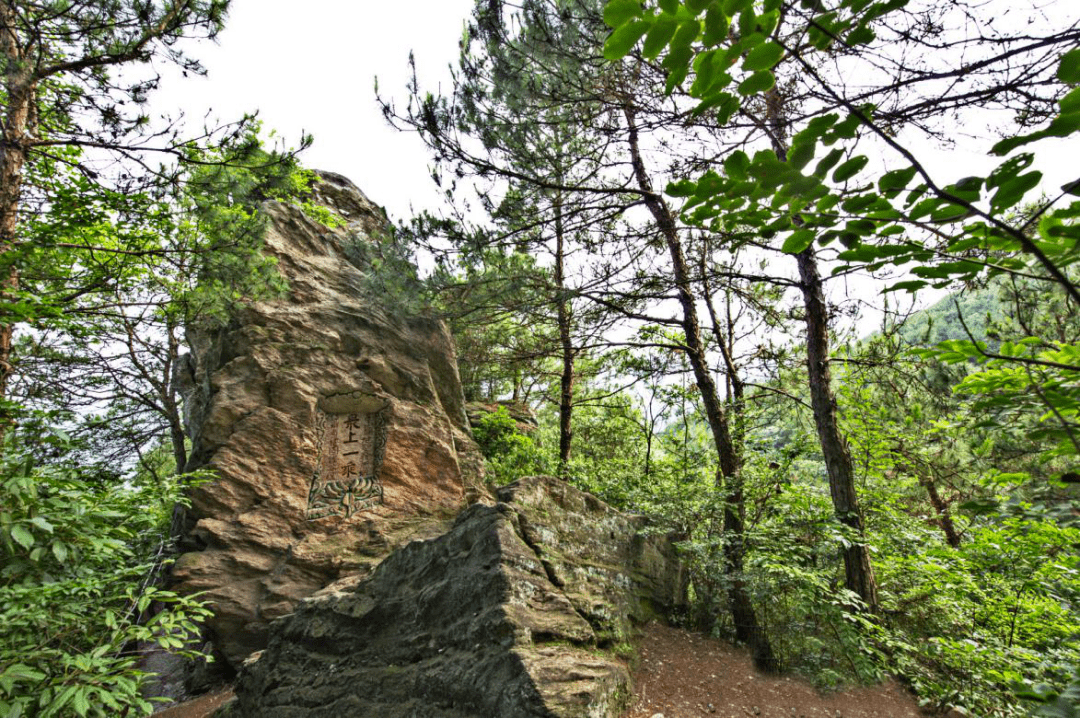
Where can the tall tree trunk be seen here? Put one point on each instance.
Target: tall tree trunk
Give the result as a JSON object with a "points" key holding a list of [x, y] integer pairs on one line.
{"points": [[859, 575], [566, 380], [944, 517], [648, 450], [736, 387], [729, 476], [168, 399], [18, 120]]}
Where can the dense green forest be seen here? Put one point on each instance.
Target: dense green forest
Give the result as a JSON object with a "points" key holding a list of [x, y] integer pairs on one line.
{"points": [[692, 236]]}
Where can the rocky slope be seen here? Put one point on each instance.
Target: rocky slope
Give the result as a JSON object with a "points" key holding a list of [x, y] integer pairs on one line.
{"points": [[516, 612]]}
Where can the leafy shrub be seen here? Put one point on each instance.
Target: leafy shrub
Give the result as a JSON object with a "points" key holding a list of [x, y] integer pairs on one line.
{"points": [[78, 562], [510, 454]]}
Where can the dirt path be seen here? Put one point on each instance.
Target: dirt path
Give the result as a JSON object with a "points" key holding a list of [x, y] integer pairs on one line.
{"points": [[686, 675], [200, 707]]}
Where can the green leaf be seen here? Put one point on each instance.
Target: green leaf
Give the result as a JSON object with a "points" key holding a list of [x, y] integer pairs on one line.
{"points": [[42, 524], [981, 506], [798, 240], [968, 184], [827, 162], [1069, 69], [659, 35], [925, 207], [686, 34], [763, 57], [861, 226], [23, 537], [727, 106], [767, 22], [800, 154], [681, 188], [676, 63], [64, 697], [620, 12], [1008, 144], [1011, 192], [850, 168], [710, 185], [623, 39], [758, 82], [909, 286], [60, 551], [669, 6], [803, 186], [81, 704], [736, 165], [716, 26], [822, 31], [21, 670], [1009, 169], [1071, 102], [1063, 125], [696, 6], [765, 159], [706, 68], [826, 238], [948, 213], [817, 127], [861, 35], [748, 22], [859, 203], [844, 130]]}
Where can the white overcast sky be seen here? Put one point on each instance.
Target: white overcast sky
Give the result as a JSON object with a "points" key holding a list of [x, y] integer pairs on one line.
{"points": [[310, 66]]}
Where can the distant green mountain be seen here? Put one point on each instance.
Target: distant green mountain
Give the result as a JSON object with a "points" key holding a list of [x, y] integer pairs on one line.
{"points": [[942, 321]]}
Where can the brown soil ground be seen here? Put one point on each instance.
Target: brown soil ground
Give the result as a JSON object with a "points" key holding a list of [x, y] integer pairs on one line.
{"points": [[685, 675]]}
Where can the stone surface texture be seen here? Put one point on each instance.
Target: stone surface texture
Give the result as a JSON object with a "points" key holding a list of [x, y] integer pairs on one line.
{"points": [[333, 421], [519, 610]]}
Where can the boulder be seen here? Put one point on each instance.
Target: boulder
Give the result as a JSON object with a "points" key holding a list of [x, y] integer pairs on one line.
{"points": [[522, 414], [332, 422], [520, 610]]}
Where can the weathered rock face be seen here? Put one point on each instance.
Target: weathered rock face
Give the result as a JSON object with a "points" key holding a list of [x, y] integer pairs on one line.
{"points": [[335, 426], [511, 614]]}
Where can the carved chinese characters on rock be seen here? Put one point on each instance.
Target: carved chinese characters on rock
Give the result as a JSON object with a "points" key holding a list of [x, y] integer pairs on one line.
{"points": [[346, 476]]}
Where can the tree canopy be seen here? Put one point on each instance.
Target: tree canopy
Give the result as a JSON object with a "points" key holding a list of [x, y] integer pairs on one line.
{"points": [[752, 159]]}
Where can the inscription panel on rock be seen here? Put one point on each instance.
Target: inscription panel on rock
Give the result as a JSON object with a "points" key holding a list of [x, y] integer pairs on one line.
{"points": [[350, 452]]}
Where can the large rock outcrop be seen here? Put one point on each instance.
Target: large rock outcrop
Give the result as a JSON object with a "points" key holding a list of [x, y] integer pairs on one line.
{"points": [[515, 612], [334, 425]]}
